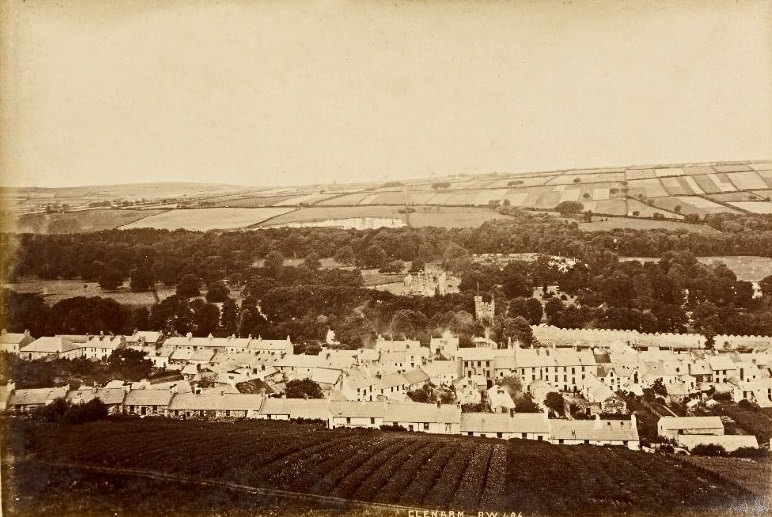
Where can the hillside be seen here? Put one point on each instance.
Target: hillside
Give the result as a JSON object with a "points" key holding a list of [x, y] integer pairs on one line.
{"points": [[411, 470], [669, 193]]}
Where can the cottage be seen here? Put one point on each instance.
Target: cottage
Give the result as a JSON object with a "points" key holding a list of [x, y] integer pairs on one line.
{"points": [[758, 391], [48, 347], [672, 426], [357, 414], [526, 426], [499, 400], [12, 343], [110, 397], [595, 432], [428, 418], [291, 409], [26, 400], [271, 348], [359, 384], [597, 392], [147, 402], [214, 404], [722, 368]]}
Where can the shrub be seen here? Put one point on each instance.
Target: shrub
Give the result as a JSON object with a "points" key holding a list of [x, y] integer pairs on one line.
{"points": [[392, 427], [747, 404], [709, 449], [62, 411]]}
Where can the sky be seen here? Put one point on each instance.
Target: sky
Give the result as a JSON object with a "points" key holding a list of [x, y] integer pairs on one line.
{"points": [[282, 92]]}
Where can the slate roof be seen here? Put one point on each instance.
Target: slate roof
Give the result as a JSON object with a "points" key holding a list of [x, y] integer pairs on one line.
{"points": [[214, 400], [416, 412], [317, 409], [595, 430], [690, 422], [36, 396], [147, 398], [504, 423]]}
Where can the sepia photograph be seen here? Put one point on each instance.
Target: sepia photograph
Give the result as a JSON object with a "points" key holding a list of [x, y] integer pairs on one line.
{"points": [[400, 258]]}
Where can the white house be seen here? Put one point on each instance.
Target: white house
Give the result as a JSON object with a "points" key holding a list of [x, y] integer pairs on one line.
{"points": [[357, 414], [12, 342], [595, 432], [52, 347], [428, 418], [526, 426]]}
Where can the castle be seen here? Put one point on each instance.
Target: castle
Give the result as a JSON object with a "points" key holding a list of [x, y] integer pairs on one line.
{"points": [[484, 311]]}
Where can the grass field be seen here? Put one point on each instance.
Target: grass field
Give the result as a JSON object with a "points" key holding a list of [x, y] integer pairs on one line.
{"points": [[600, 223], [444, 217], [752, 475], [747, 268], [415, 470], [82, 221], [204, 219], [56, 290]]}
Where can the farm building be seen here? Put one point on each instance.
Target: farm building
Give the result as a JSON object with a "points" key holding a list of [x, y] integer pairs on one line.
{"points": [[730, 442], [147, 402], [12, 342], [526, 426], [25, 400], [674, 426], [110, 397], [429, 418], [595, 432]]}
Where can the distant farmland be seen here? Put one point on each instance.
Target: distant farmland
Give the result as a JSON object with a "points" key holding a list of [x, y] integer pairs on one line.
{"points": [[204, 219], [410, 469], [668, 193], [80, 221], [747, 268]]}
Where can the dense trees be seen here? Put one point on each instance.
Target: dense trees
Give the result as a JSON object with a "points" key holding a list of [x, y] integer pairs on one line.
{"points": [[303, 389], [189, 286]]}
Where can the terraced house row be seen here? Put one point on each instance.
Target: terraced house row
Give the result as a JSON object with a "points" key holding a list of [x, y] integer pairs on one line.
{"points": [[170, 401]]}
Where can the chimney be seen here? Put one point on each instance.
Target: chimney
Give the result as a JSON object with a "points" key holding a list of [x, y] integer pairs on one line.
{"points": [[222, 393], [633, 421], [189, 335], [512, 412], [439, 404], [546, 414], [598, 423]]}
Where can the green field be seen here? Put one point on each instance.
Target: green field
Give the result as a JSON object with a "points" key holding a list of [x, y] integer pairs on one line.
{"points": [[600, 223], [409, 469]]}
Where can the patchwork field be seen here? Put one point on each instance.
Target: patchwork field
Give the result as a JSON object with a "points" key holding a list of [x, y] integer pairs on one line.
{"points": [[670, 192], [413, 470], [204, 219]]}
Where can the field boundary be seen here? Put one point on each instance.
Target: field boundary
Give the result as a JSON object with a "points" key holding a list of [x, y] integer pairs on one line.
{"points": [[269, 492]]}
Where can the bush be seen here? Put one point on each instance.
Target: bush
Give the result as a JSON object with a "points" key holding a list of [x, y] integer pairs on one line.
{"points": [[749, 452], [61, 411], [392, 427], [709, 449], [747, 404]]}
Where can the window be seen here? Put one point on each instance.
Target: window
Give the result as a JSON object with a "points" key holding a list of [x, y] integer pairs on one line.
{"points": [[499, 435], [372, 420], [348, 420], [560, 440], [540, 437], [426, 426]]}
